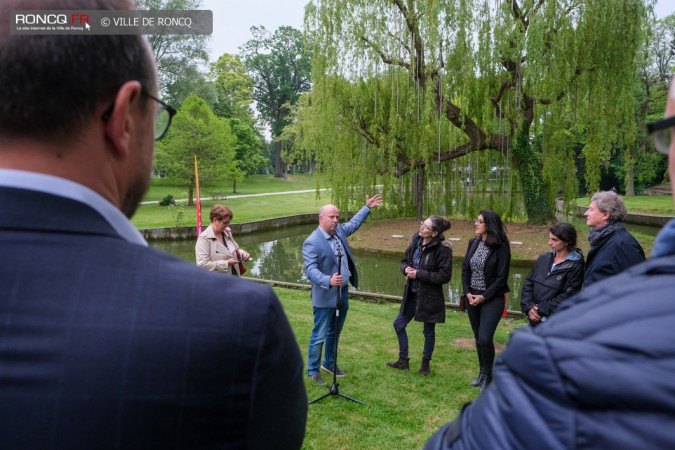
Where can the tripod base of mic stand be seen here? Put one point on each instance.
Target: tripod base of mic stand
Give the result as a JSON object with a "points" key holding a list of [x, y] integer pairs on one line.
{"points": [[333, 390]]}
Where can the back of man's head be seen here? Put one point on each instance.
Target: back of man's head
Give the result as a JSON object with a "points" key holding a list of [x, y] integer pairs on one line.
{"points": [[52, 84]]}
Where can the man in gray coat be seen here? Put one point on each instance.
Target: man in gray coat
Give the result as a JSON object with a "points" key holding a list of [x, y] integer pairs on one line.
{"points": [[322, 251], [613, 248]]}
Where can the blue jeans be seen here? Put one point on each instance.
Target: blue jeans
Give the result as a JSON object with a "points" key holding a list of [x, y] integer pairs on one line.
{"points": [[401, 322], [324, 330]]}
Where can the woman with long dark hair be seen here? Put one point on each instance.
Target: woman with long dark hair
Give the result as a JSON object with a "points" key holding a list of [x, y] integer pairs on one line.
{"points": [[427, 266], [485, 272], [557, 275]]}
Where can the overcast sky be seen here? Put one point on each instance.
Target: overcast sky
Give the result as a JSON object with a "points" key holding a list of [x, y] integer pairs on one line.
{"points": [[232, 20]]}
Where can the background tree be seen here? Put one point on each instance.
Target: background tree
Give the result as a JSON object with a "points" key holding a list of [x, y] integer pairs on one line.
{"points": [[248, 151], [661, 50], [234, 88], [443, 94], [178, 56], [637, 165], [191, 81], [280, 67], [297, 154], [197, 131]]}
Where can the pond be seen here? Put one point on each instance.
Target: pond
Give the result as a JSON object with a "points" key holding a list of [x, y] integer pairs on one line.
{"points": [[277, 255]]}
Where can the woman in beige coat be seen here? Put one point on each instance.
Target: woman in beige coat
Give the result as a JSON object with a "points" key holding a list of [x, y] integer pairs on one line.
{"points": [[216, 249]]}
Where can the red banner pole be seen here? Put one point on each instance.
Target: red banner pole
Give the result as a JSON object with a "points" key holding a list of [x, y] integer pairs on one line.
{"points": [[199, 202]]}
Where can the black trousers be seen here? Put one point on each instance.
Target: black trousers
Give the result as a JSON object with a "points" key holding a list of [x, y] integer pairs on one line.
{"points": [[484, 319]]}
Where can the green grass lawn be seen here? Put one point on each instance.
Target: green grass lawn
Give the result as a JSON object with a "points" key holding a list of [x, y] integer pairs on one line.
{"points": [[247, 209], [254, 184], [404, 408]]}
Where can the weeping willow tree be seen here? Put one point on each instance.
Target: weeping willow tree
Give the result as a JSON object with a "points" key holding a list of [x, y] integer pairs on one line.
{"points": [[457, 105]]}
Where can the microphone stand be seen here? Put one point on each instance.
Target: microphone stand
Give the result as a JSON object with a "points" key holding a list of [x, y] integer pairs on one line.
{"points": [[333, 389]]}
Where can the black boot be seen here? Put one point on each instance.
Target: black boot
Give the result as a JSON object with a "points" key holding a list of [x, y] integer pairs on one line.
{"points": [[402, 363], [481, 374], [424, 368], [485, 382], [479, 378]]}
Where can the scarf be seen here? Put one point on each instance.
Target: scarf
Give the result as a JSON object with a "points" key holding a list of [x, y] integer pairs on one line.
{"points": [[597, 235], [417, 257]]}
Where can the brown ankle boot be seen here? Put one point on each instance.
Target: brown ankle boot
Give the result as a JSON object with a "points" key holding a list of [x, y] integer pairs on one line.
{"points": [[401, 364], [424, 368]]}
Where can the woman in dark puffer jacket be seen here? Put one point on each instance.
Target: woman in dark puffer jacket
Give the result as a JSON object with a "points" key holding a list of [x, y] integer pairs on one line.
{"points": [[557, 275], [427, 265]]}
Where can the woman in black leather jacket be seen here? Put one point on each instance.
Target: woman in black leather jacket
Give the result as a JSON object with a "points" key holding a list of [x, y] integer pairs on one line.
{"points": [[557, 275], [485, 272], [427, 265]]}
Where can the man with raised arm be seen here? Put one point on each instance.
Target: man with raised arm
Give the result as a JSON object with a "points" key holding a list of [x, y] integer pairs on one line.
{"points": [[322, 251]]}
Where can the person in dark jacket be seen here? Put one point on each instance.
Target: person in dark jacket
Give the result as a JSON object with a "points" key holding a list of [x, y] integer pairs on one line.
{"points": [[613, 248], [557, 275], [485, 272], [604, 378], [427, 265]]}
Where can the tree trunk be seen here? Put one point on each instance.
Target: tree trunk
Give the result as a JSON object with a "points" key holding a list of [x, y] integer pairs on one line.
{"points": [[234, 186], [630, 181], [279, 171], [530, 168], [191, 201], [419, 191]]}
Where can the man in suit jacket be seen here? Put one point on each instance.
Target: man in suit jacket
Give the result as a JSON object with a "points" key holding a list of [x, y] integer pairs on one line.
{"points": [[105, 343], [322, 251]]}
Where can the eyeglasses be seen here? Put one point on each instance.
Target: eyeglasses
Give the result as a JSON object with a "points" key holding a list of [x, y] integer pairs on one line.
{"points": [[162, 118], [424, 225], [662, 132]]}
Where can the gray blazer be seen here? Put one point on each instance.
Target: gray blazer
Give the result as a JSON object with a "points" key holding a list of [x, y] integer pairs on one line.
{"points": [[321, 262]]}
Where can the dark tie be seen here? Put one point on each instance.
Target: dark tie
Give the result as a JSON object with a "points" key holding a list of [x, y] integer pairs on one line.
{"points": [[342, 257], [338, 247]]}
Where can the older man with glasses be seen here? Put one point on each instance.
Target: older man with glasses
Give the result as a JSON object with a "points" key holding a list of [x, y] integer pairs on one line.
{"points": [[598, 373], [105, 343]]}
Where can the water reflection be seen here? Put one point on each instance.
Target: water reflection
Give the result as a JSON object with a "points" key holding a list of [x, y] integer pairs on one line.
{"points": [[277, 255]]}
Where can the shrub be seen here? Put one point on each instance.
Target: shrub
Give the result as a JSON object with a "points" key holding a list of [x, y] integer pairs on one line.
{"points": [[168, 200]]}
